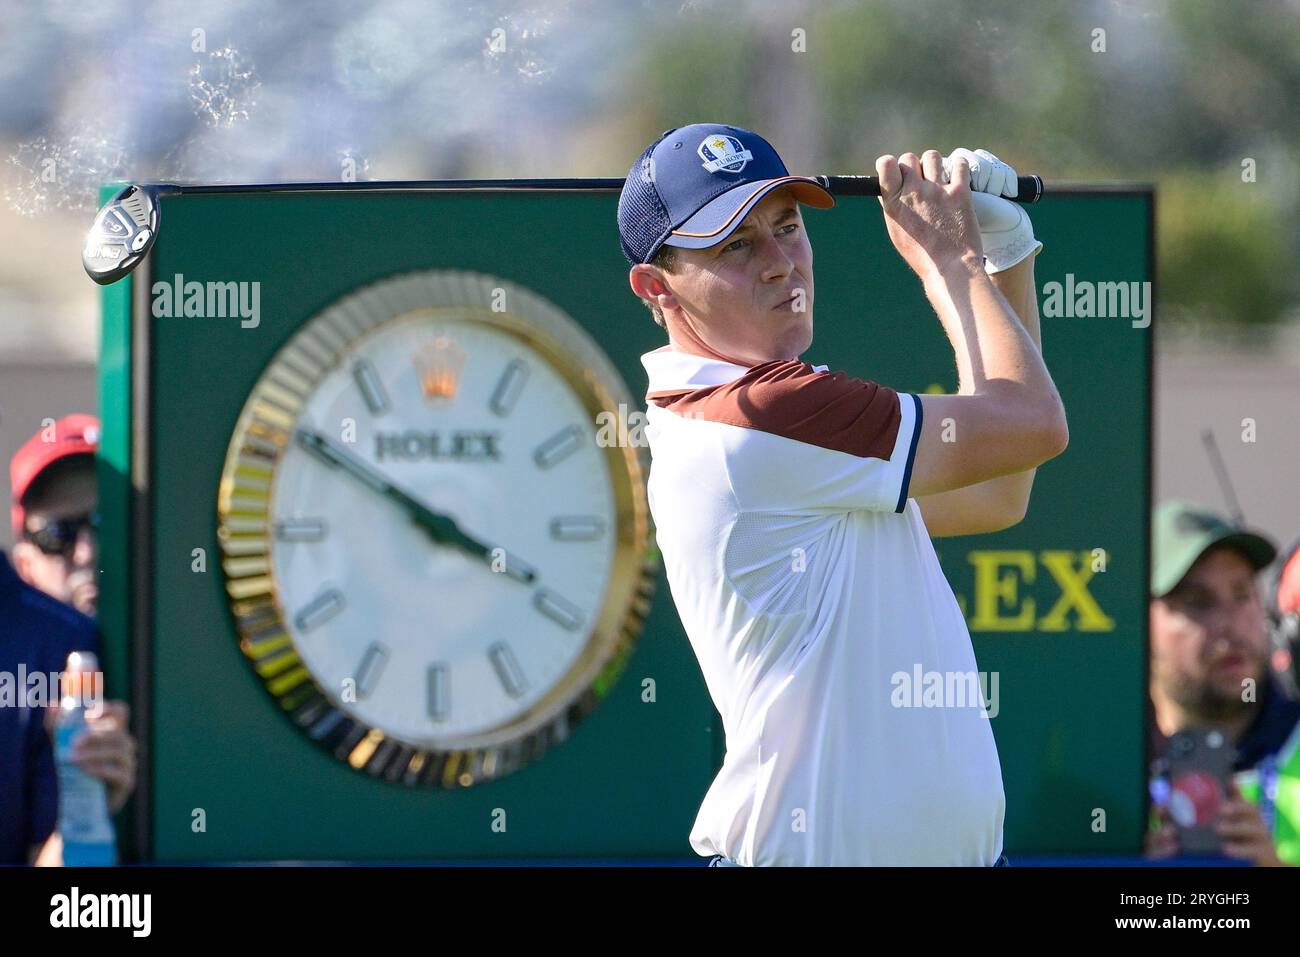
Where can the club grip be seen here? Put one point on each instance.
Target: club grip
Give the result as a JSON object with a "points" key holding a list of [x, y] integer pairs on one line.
{"points": [[1029, 189]]}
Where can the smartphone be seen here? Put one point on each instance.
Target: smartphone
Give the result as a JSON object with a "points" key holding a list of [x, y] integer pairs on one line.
{"points": [[1200, 764]]}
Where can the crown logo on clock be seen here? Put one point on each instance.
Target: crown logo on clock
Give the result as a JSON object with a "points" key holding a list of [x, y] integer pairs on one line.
{"points": [[440, 364]]}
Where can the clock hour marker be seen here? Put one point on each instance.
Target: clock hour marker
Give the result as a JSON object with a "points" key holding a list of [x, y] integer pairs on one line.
{"points": [[300, 530], [563, 612], [507, 390], [325, 724], [439, 692], [507, 669], [371, 386], [320, 610], [576, 528], [372, 663], [559, 446]]}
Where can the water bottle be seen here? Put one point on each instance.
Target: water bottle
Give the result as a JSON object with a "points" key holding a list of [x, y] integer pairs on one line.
{"points": [[84, 821]]}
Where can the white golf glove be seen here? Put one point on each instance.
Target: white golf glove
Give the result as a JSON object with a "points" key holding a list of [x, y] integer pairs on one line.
{"points": [[988, 174], [1005, 229]]}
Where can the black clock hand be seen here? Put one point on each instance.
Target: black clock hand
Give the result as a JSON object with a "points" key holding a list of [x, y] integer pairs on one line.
{"points": [[442, 528]]}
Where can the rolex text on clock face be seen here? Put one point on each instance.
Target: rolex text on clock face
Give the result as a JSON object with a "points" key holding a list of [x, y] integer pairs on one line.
{"points": [[442, 529]]}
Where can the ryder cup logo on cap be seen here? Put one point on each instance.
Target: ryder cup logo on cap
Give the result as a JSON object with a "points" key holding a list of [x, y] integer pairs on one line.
{"points": [[723, 153], [694, 185]]}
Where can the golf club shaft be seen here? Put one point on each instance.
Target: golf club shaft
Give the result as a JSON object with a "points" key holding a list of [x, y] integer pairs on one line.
{"points": [[1029, 188]]}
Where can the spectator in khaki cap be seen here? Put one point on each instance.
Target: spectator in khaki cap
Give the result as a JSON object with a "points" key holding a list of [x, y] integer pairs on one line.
{"points": [[54, 569], [1210, 668]]}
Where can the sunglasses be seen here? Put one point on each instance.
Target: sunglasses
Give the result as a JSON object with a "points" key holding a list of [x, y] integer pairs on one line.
{"points": [[58, 536]]}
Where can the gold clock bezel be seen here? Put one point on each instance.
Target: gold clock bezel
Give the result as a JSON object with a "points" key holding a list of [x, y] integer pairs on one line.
{"points": [[245, 504]]}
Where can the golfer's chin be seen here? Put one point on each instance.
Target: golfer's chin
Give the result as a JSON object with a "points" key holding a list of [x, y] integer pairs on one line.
{"points": [[794, 340], [787, 338]]}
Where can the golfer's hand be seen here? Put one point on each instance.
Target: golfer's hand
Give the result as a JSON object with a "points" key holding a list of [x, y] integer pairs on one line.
{"points": [[106, 751], [1244, 834], [988, 174], [929, 219]]}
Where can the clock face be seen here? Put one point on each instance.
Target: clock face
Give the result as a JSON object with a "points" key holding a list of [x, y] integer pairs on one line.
{"points": [[435, 561]]}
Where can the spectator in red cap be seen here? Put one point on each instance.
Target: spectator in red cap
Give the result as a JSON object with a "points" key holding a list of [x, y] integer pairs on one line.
{"points": [[54, 511], [54, 569]]}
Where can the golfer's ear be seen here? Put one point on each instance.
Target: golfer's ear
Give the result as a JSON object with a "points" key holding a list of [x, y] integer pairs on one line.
{"points": [[647, 281]]}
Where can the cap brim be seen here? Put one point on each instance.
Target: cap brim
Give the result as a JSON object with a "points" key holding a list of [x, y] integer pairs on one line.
{"points": [[1257, 550], [32, 470], [719, 219]]}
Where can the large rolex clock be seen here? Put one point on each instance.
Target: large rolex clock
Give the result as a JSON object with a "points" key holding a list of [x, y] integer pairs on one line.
{"points": [[435, 548]]}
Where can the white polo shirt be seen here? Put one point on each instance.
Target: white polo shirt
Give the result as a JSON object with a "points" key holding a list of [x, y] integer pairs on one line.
{"points": [[811, 594]]}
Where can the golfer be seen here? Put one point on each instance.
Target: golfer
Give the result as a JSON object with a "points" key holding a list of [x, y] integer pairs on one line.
{"points": [[794, 506]]}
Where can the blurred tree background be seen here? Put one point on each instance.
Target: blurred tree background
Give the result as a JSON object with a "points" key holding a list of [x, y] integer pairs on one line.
{"points": [[1197, 96]]}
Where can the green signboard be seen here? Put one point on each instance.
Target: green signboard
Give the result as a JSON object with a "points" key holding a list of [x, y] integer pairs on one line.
{"points": [[260, 480]]}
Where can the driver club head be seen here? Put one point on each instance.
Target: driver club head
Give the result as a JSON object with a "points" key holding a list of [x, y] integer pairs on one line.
{"points": [[122, 234]]}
